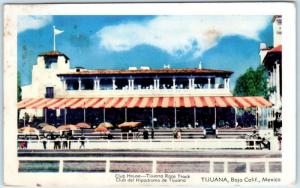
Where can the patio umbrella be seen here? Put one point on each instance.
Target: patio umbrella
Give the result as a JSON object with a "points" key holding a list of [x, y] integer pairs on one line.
{"points": [[106, 125], [50, 128], [83, 125], [69, 127], [131, 124], [42, 125], [101, 129], [28, 130]]}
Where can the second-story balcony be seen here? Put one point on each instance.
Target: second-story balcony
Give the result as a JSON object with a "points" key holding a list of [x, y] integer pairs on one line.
{"points": [[145, 87], [146, 83]]}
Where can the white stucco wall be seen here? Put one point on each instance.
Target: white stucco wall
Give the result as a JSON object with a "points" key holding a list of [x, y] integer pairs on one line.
{"points": [[277, 31], [43, 77]]}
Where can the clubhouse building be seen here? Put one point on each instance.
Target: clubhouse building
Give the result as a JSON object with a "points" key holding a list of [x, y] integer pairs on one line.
{"points": [[159, 98]]}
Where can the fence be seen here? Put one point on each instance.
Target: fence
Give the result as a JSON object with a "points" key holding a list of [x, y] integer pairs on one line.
{"points": [[157, 165], [148, 144]]}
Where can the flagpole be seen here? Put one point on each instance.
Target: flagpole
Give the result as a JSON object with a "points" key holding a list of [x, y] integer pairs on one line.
{"points": [[54, 49]]}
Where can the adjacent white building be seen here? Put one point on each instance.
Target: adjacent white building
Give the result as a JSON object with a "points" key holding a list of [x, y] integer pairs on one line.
{"points": [[271, 58]]}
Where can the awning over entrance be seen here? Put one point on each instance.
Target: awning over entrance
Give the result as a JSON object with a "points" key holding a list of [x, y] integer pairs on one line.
{"points": [[144, 102]]}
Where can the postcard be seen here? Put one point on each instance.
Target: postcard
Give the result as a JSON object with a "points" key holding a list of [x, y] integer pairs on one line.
{"points": [[149, 94]]}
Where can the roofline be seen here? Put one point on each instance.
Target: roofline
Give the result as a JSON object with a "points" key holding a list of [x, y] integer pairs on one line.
{"points": [[53, 53], [151, 71]]}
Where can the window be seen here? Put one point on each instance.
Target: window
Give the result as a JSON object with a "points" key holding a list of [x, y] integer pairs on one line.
{"points": [[49, 60], [49, 92]]}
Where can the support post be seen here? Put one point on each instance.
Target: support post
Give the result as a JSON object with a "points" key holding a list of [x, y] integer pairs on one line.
{"points": [[256, 113], [132, 84], [195, 118], [216, 116], [64, 84], [209, 85], [65, 114], [79, 83], [84, 115], [125, 114], [152, 114], [193, 83], [103, 114], [175, 119], [228, 81], [114, 83], [174, 83], [95, 85], [45, 115], [235, 121]]}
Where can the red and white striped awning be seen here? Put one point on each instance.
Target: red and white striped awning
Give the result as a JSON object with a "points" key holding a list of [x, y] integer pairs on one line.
{"points": [[144, 102]]}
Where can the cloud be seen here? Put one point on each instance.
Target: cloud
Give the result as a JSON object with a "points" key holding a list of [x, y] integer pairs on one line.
{"points": [[178, 35], [33, 22]]}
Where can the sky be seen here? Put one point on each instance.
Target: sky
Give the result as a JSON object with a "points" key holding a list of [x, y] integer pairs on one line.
{"points": [[118, 42]]}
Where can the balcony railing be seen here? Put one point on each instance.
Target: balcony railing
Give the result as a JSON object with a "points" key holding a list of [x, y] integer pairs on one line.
{"points": [[145, 92]]}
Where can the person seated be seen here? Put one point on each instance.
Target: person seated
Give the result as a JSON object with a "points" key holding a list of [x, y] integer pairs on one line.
{"points": [[265, 144], [145, 134], [109, 136]]}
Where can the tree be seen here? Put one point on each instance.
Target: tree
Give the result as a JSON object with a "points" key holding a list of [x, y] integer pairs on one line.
{"points": [[19, 90], [252, 83]]}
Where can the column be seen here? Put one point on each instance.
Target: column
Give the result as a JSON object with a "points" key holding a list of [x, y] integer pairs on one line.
{"points": [[79, 83], [193, 83], [228, 80], [64, 84], [114, 83], [209, 86], [174, 83], [129, 84], [95, 84], [157, 83], [154, 83], [274, 76], [98, 83], [190, 83], [278, 84], [132, 83]]}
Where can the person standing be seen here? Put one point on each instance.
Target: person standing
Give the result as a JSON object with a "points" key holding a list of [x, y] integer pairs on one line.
{"points": [[44, 140], [214, 127], [279, 137], [152, 133], [179, 134], [82, 138], [65, 142], [55, 143]]}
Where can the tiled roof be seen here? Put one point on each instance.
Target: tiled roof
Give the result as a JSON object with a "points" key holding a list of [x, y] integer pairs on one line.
{"points": [[151, 71], [276, 49], [53, 53]]}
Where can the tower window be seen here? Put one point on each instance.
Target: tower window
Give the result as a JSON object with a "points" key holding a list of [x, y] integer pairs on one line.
{"points": [[50, 60]]}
